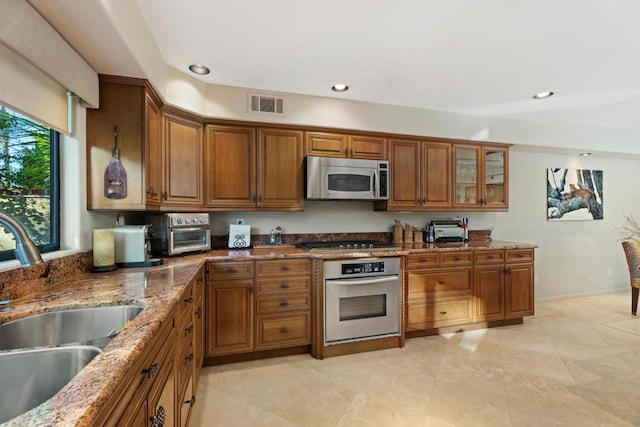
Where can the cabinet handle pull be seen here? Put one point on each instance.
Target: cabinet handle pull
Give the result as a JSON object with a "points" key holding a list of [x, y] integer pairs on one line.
{"points": [[230, 270], [441, 282], [443, 313], [284, 286], [165, 195], [159, 418], [191, 401], [188, 300], [283, 303], [188, 329], [199, 312], [188, 359], [151, 192], [284, 330], [490, 257], [151, 371], [250, 290], [284, 268], [506, 271]]}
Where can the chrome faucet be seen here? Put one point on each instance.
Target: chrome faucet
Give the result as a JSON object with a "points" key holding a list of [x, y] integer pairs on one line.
{"points": [[26, 251]]}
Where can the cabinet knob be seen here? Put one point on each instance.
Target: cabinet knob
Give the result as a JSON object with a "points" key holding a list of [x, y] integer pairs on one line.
{"points": [[199, 312], [188, 300], [188, 359], [188, 329], [151, 192], [151, 371], [165, 195], [159, 418], [284, 330], [443, 313], [284, 303]]}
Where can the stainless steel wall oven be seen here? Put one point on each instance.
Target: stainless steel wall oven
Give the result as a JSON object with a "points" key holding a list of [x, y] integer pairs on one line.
{"points": [[361, 299]]}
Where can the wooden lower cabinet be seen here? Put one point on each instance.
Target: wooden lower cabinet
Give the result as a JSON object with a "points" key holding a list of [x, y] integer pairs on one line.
{"points": [[276, 315], [466, 287], [504, 284]]}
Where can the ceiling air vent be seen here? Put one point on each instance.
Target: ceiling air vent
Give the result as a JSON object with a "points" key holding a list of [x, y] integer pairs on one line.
{"points": [[266, 104]]}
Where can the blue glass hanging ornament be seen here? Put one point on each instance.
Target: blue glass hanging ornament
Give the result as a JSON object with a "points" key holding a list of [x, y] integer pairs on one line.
{"points": [[115, 177]]}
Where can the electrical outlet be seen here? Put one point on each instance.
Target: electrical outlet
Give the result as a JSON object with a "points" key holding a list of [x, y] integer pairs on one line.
{"points": [[239, 221]]}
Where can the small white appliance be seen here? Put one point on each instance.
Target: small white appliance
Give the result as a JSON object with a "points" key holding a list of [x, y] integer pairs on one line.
{"points": [[239, 236], [132, 248]]}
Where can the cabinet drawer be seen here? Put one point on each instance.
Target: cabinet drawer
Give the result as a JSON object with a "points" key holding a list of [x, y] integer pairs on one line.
{"points": [[421, 284], [449, 312], [456, 258], [423, 260], [489, 257], [230, 270], [519, 255], [283, 267], [273, 286], [286, 302], [283, 330]]}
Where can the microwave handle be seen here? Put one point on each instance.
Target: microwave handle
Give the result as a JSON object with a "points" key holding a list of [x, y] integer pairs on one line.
{"points": [[376, 184]]}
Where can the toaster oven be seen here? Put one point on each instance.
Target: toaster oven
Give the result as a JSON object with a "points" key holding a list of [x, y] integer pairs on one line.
{"points": [[178, 233]]}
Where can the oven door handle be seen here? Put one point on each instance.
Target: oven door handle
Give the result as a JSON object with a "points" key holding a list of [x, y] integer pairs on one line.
{"points": [[173, 230], [363, 281]]}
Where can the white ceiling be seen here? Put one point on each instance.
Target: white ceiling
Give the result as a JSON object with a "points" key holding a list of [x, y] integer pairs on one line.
{"points": [[485, 57]]}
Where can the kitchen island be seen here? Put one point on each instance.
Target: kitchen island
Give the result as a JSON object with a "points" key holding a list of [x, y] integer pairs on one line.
{"points": [[161, 290]]}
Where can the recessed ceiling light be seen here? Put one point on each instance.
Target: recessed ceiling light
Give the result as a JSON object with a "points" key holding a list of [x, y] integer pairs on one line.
{"points": [[340, 88], [586, 154], [542, 95], [199, 69]]}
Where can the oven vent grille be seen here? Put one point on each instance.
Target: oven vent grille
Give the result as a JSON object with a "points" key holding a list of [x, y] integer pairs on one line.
{"points": [[266, 104]]}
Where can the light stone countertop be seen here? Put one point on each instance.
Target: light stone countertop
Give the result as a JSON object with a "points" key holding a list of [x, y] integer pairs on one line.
{"points": [[159, 289]]}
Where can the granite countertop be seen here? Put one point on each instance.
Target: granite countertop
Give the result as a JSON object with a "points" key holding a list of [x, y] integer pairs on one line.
{"points": [[159, 289]]}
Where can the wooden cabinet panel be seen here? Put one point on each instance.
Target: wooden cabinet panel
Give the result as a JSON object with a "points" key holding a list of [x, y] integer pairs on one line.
{"points": [[277, 286], [121, 106], [519, 290], [199, 331], [489, 257], [283, 330], [292, 302], [443, 312], [301, 266], [325, 144], [230, 270], [456, 258], [153, 152], [230, 317], [415, 261], [480, 177], [519, 255], [420, 284], [230, 164], [436, 175], [405, 178], [280, 169], [367, 147], [183, 161], [489, 293]]}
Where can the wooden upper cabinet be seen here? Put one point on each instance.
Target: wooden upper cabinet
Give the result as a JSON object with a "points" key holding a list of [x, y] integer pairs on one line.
{"points": [[325, 144], [123, 107], [153, 152], [183, 166], [230, 164], [248, 173], [480, 177], [280, 169], [420, 175]]}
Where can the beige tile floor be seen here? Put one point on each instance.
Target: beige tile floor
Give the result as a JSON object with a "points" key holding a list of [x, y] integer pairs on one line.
{"points": [[575, 363]]}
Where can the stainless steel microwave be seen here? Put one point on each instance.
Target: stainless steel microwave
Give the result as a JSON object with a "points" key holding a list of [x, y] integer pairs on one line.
{"points": [[347, 179]]}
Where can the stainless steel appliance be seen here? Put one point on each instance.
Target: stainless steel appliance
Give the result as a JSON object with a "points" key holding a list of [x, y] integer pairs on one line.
{"points": [[132, 247], [361, 299], [346, 245], [178, 233], [348, 179], [449, 231]]}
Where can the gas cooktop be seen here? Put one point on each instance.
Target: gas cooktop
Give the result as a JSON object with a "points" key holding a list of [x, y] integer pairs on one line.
{"points": [[346, 245]]}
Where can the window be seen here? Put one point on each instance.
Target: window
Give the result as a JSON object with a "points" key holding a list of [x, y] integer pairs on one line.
{"points": [[29, 181]]}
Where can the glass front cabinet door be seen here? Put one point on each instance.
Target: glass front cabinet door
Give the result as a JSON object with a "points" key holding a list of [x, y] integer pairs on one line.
{"points": [[480, 175]]}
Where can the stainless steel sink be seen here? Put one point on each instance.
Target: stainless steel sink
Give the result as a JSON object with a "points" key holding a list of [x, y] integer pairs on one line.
{"points": [[30, 377], [92, 326]]}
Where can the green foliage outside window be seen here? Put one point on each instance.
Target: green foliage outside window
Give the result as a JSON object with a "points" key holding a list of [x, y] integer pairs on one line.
{"points": [[26, 191]]}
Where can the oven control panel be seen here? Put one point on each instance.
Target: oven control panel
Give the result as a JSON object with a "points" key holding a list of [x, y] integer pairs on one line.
{"points": [[363, 267]]}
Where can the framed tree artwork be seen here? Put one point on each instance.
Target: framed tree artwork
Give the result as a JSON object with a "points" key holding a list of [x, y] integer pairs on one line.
{"points": [[574, 194]]}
